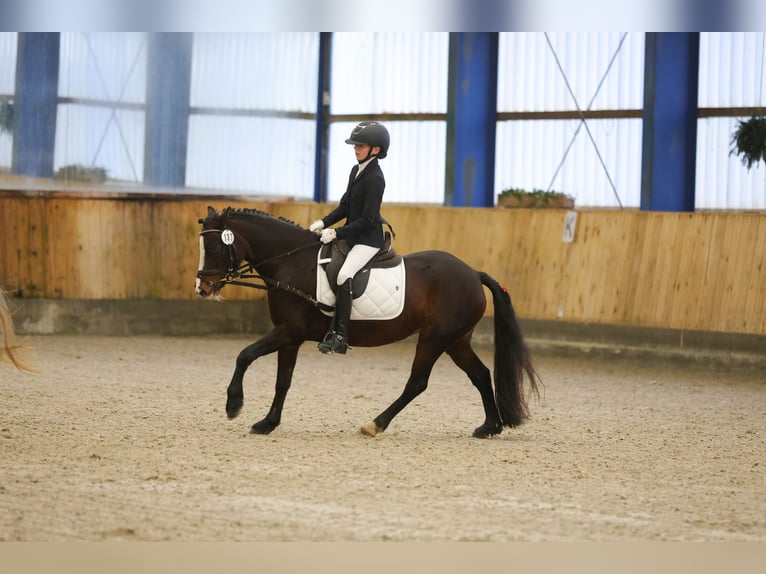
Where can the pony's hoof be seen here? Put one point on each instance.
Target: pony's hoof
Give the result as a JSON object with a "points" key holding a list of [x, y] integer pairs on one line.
{"points": [[262, 427], [486, 431], [370, 429], [233, 408]]}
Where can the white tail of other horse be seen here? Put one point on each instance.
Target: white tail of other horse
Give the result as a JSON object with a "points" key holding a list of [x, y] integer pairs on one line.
{"points": [[10, 349]]}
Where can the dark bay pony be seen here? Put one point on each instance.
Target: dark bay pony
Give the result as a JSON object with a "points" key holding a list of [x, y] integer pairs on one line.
{"points": [[444, 300]]}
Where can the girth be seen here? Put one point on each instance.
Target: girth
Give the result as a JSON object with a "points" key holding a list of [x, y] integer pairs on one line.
{"points": [[332, 255]]}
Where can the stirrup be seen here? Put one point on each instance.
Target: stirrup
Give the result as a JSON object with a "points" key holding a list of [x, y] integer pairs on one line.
{"points": [[333, 343], [325, 345]]}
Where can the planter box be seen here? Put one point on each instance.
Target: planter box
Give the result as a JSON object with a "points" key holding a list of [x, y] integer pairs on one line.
{"points": [[535, 201]]}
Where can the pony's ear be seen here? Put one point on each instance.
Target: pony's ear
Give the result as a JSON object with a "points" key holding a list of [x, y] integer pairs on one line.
{"points": [[211, 213]]}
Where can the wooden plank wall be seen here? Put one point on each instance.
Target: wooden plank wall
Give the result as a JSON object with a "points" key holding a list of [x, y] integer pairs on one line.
{"points": [[700, 271]]}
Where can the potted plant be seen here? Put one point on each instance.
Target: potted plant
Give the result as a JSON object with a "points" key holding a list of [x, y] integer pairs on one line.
{"points": [[749, 140], [537, 198]]}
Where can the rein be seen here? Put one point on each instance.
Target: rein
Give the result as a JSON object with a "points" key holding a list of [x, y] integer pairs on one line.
{"points": [[239, 275]]}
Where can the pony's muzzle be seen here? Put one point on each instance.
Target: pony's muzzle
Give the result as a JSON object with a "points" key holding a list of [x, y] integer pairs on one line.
{"points": [[205, 288]]}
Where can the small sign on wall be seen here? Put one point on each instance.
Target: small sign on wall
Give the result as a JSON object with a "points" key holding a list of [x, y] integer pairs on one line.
{"points": [[570, 222]]}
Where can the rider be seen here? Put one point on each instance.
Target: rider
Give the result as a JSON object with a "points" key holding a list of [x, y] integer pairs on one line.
{"points": [[363, 229]]}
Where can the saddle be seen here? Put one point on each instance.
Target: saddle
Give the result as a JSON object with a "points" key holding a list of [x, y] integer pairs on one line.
{"points": [[332, 255]]}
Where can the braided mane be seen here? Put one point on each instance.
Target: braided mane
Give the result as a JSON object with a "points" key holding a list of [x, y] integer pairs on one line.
{"points": [[251, 212]]}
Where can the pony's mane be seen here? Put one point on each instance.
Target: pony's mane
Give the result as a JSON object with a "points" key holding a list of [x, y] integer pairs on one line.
{"points": [[252, 212]]}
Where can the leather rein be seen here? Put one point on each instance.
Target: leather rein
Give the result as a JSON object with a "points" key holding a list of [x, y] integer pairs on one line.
{"points": [[242, 274]]}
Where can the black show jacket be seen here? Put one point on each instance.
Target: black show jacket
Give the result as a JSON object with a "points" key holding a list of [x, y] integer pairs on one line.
{"points": [[360, 206]]}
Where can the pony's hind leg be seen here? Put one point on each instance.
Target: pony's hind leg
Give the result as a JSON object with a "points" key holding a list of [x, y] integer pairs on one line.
{"points": [[464, 357], [425, 357]]}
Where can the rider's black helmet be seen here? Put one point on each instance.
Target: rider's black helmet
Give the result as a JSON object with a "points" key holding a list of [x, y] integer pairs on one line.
{"points": [[371, 134]]}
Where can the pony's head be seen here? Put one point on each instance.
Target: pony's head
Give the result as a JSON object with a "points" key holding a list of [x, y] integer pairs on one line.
{"points": [[219, 259]]}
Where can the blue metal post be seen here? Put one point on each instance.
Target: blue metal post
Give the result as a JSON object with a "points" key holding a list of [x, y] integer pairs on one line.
{"points": [[323, 111], [167, 108], [471, 119], [35, 104], [670, 121]]}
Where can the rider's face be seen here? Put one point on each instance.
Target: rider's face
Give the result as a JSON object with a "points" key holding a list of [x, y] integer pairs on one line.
{"points": [[362, 151]]}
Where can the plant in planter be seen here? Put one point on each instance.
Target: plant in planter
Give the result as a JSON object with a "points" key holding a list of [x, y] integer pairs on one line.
{"points": [[749, 140], [76, 172], [537, 198]]}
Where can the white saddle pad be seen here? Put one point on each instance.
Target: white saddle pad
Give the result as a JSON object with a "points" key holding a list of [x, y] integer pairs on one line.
{"points": [[382, 300]]}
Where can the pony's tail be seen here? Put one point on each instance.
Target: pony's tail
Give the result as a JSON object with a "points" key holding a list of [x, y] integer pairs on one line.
{"points": [[512, 359], [10, 348]]}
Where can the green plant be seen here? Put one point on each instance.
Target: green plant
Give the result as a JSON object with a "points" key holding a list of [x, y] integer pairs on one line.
{"points": [[6, 116], [514, 192], [77, 172], [536, 197], [749, 141]]}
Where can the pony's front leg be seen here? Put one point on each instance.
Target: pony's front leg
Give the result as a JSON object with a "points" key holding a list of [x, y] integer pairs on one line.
{"points": [[286, 358], [272, 341]]}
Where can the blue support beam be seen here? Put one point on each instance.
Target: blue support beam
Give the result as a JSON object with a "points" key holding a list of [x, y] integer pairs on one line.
{"points": [[471, 119], [35, 104], [670, 121], [322, 113], [167, 108]]}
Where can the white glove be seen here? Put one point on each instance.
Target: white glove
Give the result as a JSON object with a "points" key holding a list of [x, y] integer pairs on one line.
{"points": [[317, 226], [327, 235]]}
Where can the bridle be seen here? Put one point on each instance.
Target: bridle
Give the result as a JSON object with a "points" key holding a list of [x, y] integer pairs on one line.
{"points": [[232, 271], [242, 274]]}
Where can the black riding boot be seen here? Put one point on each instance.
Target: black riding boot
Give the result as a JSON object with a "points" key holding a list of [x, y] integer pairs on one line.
{"points": [[336, 339]]}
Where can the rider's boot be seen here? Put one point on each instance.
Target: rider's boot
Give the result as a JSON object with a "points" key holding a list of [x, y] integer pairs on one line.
{"points": [[336, 339]]}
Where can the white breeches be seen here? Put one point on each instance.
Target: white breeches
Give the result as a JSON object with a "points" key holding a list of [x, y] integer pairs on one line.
{"points": [[356, 259]]}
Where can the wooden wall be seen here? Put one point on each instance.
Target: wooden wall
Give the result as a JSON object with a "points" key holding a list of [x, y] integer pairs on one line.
{"points": [[699, 271]]}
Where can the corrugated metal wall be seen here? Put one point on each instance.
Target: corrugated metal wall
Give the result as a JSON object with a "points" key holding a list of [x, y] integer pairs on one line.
{"points": [[604, 71], [253, 98], [389, 72], [258, 75], [597, 162], [266, 71], [110, 69], [8, 41], [731, 75], [392, 73]]}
